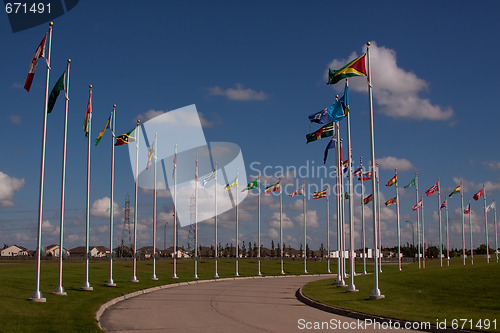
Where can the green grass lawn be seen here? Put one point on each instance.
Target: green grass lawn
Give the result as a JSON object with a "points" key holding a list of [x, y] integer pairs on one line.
{"points": [[454, 292], [76, 311]]}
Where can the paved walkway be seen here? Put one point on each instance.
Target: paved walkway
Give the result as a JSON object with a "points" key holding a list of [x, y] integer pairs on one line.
{"points": [[240, 305]]}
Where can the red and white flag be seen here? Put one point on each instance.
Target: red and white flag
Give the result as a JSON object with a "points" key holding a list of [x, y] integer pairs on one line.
{"points": [[296, 192], [467, 210], [478, 195], [433, 189], [417, 206], [40, 52]]}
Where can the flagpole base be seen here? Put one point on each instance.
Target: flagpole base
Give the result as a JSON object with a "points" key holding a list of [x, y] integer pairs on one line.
{"points": [[134, 279], [37, 297], [86, 286], [376, 295], [216, 275], [154, 278], [352, 289], [111, 283], [236, 274], [175, 276], [305, 272], [195, 276], [60, 291], [282, 272], [259, 274]]}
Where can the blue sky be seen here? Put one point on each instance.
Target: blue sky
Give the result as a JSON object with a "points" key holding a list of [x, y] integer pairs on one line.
{"points": [[255, 71]]}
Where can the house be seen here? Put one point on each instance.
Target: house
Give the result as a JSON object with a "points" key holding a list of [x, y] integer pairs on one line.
{"points": [[95, 251], [147, 252], [14, 251], [181, 253], [53, 251]]}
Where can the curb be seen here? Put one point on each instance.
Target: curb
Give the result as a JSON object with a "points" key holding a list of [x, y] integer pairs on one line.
{"points": [[364, 316], [116, 300]]}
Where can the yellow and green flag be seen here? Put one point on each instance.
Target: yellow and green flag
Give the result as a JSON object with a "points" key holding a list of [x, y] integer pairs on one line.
{"points": [[354, 68]]}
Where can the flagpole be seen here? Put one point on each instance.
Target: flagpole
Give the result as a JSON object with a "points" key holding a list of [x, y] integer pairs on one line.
{"points": [[496, 230], [470, 227], [423, 232], [342, 198], [305, 225], [463, 221], [339, 281], [399, 228], [486, 229], [86, 285], [352, 286], [110, 282], [196, 221], [134, 277], [174, 275], [328, 229], [281, 228], [440, 231], [377, 176], [418, 218], [60, 290], [153, 277], [376, 294], [363, 216], [237, 238], [216, 275], [258, 227], [37, 295], [447, 234]]}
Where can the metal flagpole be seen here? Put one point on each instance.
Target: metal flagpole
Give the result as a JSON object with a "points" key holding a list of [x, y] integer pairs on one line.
{"points": [[399, 228], [196, 221], [340, 274], [440, 230], [37, 295], [470, 227], [86, 285], [216, 246], [463, 221], [110, 282], [258, 227], [174, 275], [134, 277], [342, 225], [447, 234], [281, 227], [153, 277], [305, 225], [327, 230], [486, 228], [237, 238], [376, 294], [423, 232], [418, 220], [60, 290], [496, 230], [352, 286], [363, 217], [379, 223]]}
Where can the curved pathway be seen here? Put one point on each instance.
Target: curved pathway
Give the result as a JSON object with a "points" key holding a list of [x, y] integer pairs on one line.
{"points": [[235, 305]]}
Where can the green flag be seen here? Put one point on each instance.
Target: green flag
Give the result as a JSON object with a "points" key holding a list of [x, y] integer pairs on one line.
{"points": [[323, 132], [253, 184], [55, 92], [346, 196], [412, 183]]}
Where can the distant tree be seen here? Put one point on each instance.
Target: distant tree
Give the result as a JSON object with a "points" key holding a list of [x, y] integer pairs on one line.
{"points": [[250, 250], [301, 251], [308, 251], [278, 254], [212, 250], [322, 250], [243, 249], [199, 252], [255, 249], [432, 252], [273, 251]]}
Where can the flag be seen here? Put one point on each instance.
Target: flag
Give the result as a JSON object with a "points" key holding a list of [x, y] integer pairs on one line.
{"points": [[345, 166], [358, 172], [323, 132], [347, 196], [412, 183], [86, 122], [339, 110], [125, 138], [354, 68], [478, 194], [443, 205], [231, 185], [330, 145], [467, 210], [368, 199], [150, 152], [272, 188], [456, 190], [319, 195], [208, 178], [40, 52], [390, 201], [366, 176], [433, 189], [392, 181], [296, 192], [491, 206], [418, 205], [98, 139], [175, 163], [253, 184], [320, 117], [55, 92], [196, 170]]}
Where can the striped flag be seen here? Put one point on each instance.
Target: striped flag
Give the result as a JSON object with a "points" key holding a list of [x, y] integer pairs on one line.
{"points": [[418, 205], [40, 52], [319, 195], [98, 139], [456, 190], [358, 172], [443, 205], [392, 181], [353, 68], [150, 152], [368, 199], [88, 114], [433, 189], [296, 192], [390, 201], [208, 178], [272, 188]]}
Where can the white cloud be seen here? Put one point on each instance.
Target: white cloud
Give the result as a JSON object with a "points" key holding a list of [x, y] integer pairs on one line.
{"points": [[184, 119], [239, 93], [396, 90], [49, 228], [312, 219], [101, 208], [8, 185], [390, 162], [275, 221], [493, 165], [15, 119]]}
